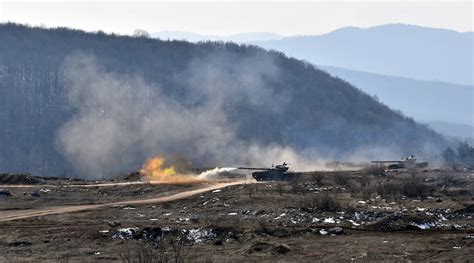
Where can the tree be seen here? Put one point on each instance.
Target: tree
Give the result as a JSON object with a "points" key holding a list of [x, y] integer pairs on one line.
{"points": [[141, 33], [449, 156], [465, 153]]}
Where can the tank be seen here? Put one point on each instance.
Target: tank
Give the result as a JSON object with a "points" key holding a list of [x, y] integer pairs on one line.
{"points": [[409, 162], [275, 173]]}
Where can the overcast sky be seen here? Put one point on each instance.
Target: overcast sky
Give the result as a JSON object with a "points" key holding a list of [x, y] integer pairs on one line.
{"points": [[225, 17]]}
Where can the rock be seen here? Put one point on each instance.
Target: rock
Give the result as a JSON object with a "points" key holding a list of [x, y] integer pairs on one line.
{"points": [[20, 244], [257, 212], [151, 233], [259, 247], [218, 243], [5, 192], [114, 223], [282, 249], [439, 200], [336, 231]]}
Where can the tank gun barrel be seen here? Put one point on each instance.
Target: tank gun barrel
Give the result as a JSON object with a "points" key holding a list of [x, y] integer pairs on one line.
{"points": [[386, 161], [253, 168]]}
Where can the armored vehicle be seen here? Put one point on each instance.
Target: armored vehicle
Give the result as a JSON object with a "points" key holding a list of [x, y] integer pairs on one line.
{"points": [[275, 173], [405, 163]]}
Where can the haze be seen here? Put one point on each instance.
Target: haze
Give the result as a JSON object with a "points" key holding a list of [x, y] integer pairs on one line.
{"points": [[285, 18]]}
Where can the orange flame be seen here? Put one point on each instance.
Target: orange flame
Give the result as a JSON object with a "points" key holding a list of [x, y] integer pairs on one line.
{"points": [[154, 170]]}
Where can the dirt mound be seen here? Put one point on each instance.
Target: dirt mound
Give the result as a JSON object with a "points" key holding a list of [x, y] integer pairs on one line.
{"points": [[267, 247], [20, 179], [466, 210], [399, 221]]}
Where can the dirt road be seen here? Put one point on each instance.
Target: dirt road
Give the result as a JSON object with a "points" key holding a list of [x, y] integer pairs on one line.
{"points": [[23, 214], [71, 185]]}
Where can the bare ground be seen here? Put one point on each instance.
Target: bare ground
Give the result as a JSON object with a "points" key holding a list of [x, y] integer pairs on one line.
{"points": [[271, 221]]}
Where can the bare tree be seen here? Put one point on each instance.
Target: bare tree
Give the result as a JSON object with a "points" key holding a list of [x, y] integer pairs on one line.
{"points": [[141, 33]]}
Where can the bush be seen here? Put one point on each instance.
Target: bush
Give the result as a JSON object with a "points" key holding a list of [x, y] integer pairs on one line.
{"points": [[376, 169], [324, 202], [138, 255], [318, 178], [415, 187], [389, 190], [341, 178], [296, 187], [327, 203]]}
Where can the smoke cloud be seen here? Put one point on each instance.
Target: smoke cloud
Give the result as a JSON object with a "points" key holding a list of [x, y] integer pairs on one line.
{"points": [[120, 120]]}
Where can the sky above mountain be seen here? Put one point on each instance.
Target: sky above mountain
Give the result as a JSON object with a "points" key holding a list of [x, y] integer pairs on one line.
{"points": [[226, 17]]}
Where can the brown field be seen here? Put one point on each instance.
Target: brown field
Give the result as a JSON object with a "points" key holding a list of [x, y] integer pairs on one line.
{"points": [[398, 216]]}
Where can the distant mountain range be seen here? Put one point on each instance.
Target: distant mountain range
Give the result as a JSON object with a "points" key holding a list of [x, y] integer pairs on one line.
{"points": [[237, 38], [423, 100], [445, 107], [395, 49], [456, 130]]}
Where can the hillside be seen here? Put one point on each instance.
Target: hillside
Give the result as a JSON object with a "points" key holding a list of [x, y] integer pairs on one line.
{"points": [[422, 100], [394, 49], [97, 105]]}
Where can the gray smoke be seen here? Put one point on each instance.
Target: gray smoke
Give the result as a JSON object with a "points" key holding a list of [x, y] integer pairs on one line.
{"points": [[120, 120]]}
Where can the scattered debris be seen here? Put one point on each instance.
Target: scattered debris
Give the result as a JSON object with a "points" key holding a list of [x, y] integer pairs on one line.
{"points": [[197, 235], [125, 233], [280, 216], [329, 220], [336, 231]]}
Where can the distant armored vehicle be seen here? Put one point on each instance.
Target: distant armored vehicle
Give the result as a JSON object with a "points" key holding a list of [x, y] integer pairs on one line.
{"points": [[405, 163], [275, 173]]}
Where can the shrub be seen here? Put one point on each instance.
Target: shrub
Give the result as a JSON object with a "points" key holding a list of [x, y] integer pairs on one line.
{"points": [[376, 169], [389, 190], [341, 178], [415, 187], [327, 203]]}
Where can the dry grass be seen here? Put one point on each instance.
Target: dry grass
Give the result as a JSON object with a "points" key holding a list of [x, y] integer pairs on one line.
{"points": [[323, 202]]}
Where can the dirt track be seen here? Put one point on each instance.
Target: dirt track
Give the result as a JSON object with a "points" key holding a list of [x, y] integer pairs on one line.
{"points": [[71, 185], [23, 214]]}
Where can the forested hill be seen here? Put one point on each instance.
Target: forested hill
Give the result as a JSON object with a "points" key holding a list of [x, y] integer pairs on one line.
{"points": [[94, 104]]}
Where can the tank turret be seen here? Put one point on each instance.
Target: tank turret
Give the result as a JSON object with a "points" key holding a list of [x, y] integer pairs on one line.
{"points": [[279, 172]]}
